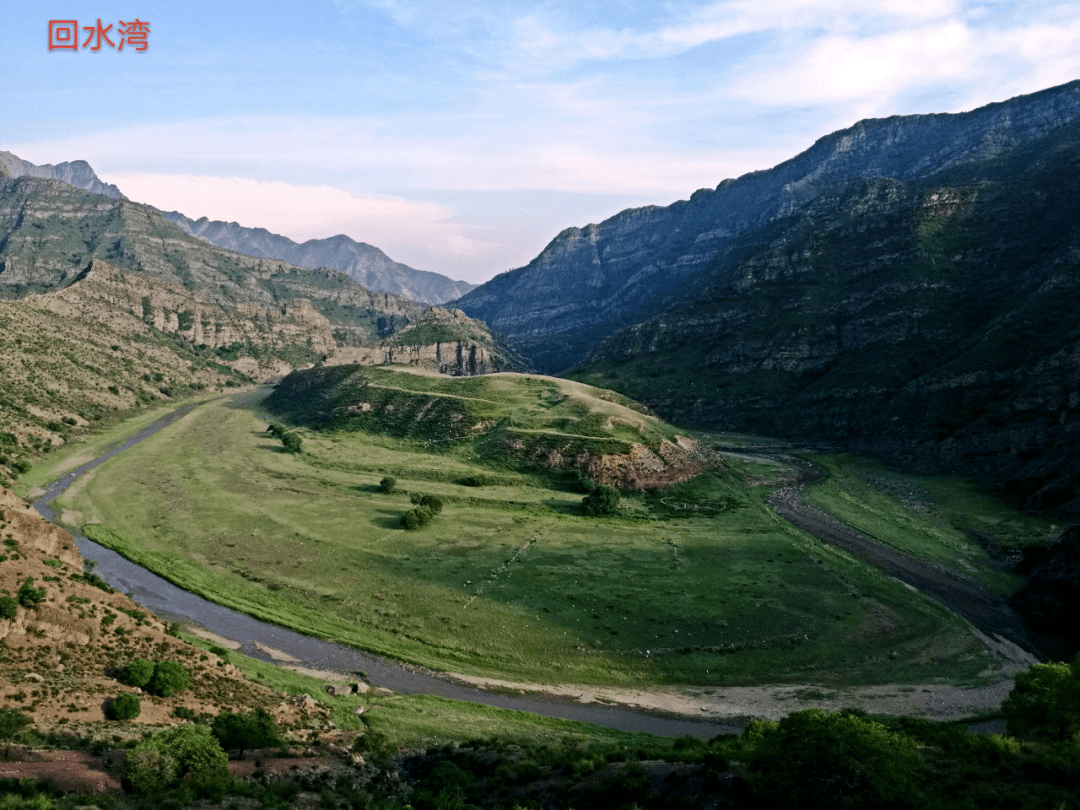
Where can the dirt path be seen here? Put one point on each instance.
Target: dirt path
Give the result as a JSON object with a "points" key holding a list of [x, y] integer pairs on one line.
{"points": [[986, 610]]}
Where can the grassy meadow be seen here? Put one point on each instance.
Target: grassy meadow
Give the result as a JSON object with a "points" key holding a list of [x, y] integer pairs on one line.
{"points": [[932, 517], [510, 581]]}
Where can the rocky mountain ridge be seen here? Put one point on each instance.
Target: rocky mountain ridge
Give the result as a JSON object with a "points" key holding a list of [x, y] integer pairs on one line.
{"points": [[363, 262], [50, 231], [77, 173], [591, 281]]}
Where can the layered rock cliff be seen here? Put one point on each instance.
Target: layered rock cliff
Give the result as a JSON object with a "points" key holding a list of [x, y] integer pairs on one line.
{"points": [[76, 172], [50, 231], [440, 340]]}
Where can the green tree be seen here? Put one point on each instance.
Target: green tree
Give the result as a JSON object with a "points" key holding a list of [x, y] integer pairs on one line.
{"points": [[187, 752], [137, 672], [257, 729], [12, 721], [814, 760], [292, 442], [169, 678], [387, 485], [123, 707], [1045, 702], [604, 500], [9, 607], [276, 429]]}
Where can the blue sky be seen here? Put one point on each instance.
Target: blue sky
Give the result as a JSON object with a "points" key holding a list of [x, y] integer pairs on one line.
{"points": [[461, 138]]}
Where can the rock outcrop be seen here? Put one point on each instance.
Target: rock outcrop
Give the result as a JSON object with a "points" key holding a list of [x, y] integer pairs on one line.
{"points": [[440, 340]]}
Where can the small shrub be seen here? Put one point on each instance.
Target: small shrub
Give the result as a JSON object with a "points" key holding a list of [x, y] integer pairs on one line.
{"points": [[137, 672], [474, 481], [604, 500], [12, 722], [580, 482], [415, 518], [28, 595], [123, 707], [292, 443], [169, 678], [433, 503], [387, 485], [8, 607]]}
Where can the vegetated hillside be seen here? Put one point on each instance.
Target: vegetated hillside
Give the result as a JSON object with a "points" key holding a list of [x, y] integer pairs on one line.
{"points": [[71, 632], [363, 262], [589, 282], [111, 343], [49, 232], [445, 341], [510, 419], [931, 322]]}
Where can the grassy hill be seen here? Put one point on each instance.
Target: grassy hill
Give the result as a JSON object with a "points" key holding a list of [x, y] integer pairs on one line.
{"points": [[510, 420]]}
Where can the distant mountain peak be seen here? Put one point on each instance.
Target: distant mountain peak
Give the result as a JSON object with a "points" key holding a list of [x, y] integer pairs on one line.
{"points": [[363, 262], [77, 173]]}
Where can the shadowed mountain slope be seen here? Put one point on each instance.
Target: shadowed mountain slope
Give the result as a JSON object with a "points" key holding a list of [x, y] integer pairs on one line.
{"points": [[907, 288], [590, 282]]}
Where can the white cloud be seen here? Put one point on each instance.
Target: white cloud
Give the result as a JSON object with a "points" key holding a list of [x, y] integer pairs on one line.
{"points": [[846, 68]]}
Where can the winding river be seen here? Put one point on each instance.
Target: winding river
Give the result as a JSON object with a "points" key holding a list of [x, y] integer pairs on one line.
{"points": [[174, 604]]}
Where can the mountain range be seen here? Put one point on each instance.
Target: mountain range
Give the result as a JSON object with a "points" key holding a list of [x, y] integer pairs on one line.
{"points": [[364, 263], [907, 287], [106, 306]]}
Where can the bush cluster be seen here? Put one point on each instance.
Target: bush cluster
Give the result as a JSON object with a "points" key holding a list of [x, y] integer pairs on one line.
{"points": [[427, 506], [291, 441], [245, 730], [164, 679], [187, 753]]}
